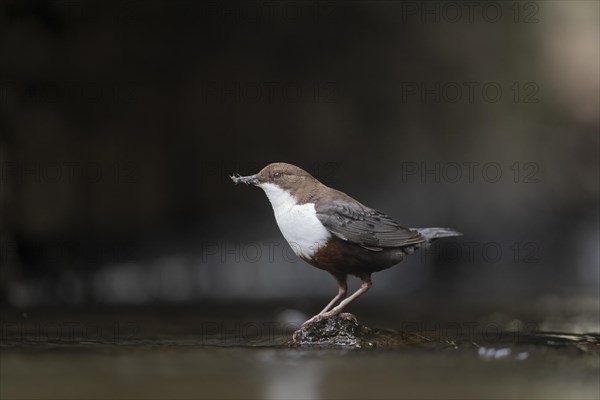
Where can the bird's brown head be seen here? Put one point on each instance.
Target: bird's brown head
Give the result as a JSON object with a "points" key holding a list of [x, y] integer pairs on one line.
{"points": [[288, 177]]}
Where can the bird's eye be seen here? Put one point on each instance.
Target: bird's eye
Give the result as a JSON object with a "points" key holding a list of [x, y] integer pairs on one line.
{"points": [[277, 175]]}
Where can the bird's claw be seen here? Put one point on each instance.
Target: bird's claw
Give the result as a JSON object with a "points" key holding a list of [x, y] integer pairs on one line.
{"points": [[316, 318], [327, 315]]}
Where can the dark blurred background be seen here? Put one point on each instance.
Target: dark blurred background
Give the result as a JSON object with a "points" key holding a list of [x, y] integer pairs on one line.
{"points": [[121, 121]]}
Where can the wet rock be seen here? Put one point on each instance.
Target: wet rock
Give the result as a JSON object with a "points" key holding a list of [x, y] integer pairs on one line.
{"points": [[344, 331]]}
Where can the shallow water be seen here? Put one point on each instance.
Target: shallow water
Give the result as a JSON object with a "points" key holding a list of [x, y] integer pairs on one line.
{"points": [[177, 354]]}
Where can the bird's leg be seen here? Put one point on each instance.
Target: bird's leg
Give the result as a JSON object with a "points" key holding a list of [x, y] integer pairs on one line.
{"points": [[364, 287], [342, 290]]}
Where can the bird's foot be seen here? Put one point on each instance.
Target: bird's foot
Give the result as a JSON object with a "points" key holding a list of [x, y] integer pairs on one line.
{"points": [[312, 320], [327, 315]]}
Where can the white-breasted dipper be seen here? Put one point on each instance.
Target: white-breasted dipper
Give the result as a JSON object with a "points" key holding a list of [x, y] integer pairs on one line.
{"points": [[330, 230]]}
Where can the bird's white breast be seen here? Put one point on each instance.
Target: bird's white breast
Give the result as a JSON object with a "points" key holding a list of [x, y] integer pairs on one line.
{"points": [[298, 222]]}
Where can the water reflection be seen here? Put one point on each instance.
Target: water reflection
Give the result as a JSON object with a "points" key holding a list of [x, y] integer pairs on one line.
{"points": [[178, 354], [290, 375]]}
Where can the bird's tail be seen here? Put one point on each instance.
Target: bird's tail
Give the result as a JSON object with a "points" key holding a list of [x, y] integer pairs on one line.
{"points": [[437, 233]]}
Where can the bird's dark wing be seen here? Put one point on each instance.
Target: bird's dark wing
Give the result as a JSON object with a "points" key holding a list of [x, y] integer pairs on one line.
{"points": [[352, 222]]}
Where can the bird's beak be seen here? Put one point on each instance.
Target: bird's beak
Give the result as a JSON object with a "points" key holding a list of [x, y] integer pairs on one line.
{"points": [[250, 179]]}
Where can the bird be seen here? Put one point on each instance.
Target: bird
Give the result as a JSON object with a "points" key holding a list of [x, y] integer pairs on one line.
{"points": [[331, 231]]}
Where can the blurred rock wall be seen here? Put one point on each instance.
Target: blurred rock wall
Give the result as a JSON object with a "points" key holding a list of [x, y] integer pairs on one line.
{"points": [[121, 122]]}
